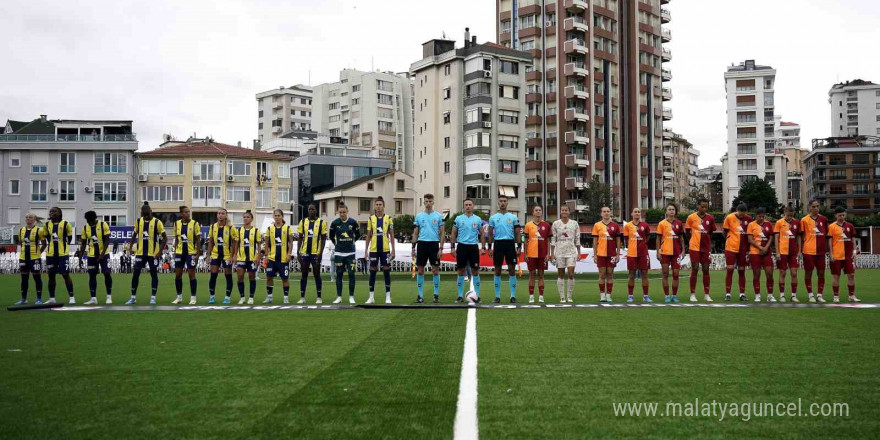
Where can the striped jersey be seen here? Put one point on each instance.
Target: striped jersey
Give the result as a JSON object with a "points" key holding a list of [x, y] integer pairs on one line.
{"points": [[312, 234], [248, 243], [94, 237], [636, 238], [669, 234], [29, 240], [279, 240], [815, 234], [146, 235], [788, 234], [842, 240], [605, 244], [378, 227], [59, 235], [222, 237], [185, 237], [701, 229]]}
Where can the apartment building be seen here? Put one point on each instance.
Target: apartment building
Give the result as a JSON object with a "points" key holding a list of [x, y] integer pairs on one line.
{"points": [[845, 172], [751, 143], [595, 94], [788, 141], [76, 165], [206, 175], [281, 110], [855, 108], [470, 119], [679, 167], [709, 184], [372, 109]]}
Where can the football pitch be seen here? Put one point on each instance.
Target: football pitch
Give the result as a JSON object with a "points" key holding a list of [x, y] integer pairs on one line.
{"points": [[356, 373]]}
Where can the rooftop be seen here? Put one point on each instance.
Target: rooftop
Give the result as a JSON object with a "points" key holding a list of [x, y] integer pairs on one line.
{"points": [[854, 83], [44, 130], [209, 148]]}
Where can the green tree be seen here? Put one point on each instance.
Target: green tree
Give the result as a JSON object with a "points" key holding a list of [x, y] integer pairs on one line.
{"points": [[447, 225], [595, 196], [403, 225], [690, 201], [758, 193]]}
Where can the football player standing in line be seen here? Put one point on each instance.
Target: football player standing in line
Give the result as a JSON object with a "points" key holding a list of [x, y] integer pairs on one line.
{"points": [[94, 243], [760, 236], [380, 248], [815, 230], [505, 243], [466, 231], [312, 235], [222, 245], [788, 232], [735, 254], [670, 244], [344, 232], [701, 226], [248, 257], [147, 230], [187, 242], [606, 252], [277, 245], [427, 246], [58, 232], [32, 240], [841, 241], [565, 251], [636, 233], [538, 234]]}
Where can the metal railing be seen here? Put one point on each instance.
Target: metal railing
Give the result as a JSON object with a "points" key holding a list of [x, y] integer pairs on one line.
{"points": [[68, 138]]}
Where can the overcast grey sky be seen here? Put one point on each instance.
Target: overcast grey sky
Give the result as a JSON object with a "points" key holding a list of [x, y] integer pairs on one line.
{"points": [[182, 67]]}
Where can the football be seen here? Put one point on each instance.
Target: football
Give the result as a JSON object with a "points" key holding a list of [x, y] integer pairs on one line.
{"points": [[472, 297]]}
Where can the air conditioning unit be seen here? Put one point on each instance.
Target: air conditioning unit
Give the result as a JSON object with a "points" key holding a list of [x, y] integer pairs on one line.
{"points": [[549, 23], [52, 191], [487, 176], [487, 74], [142, 177], [230, 179], [487, 125], [87, 189]]}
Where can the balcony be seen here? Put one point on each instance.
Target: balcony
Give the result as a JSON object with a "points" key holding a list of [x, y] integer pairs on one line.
{"points": [[576, 161], [277, 105], [576, 137], [575, 5], [666, 75], [575, 23], [665, 16], [668, 134], [667, 114], [667, 153], [576, 69], [576, 205], [276, 129], [576, 45], [666, 35], [667, 94], [576, 92], [664, 2], [131, 137], [576, 114], [575, 183], [666, 55]]}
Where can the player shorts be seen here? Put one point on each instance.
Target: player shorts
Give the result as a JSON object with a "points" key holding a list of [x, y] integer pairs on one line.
{"points": [[671, 260], [96, 264], [789, 261], [184, 261], [536, 264], [638, 263], [846, 266], [758, 261], [141, 261], [29, 265], [347, 262], [222, 264], [426, 251], [816, 262], [307, 260], [58, 264], [467, 255], [564, 262], [605, 262], [378, 259], [247, 266], [700, 257], [737, 259], [504, 251], [277, 268]]}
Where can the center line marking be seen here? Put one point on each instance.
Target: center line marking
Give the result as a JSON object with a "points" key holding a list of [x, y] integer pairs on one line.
{"points": [[466, 412]]}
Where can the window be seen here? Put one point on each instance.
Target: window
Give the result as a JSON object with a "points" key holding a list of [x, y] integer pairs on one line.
{"points": [[354, 101], [114, 220], [67, 191], [334, 132], [386, 86], [264, 198], [238, 168], [364, 205], [511, 66], [334, 118], [67, 163], [238, 194], [260, 114], [477, 140], [528, 21], [447, 92], [447, 69], [446, 192], [110, 163], [14, 187], [14, 159], [506, 141], [446, 167], [38, 190], [505, 26], [508, 166], [446, 142], [13, 216], [401, 185], [508, 117], [333, 106], [206, 196], [39, 162], [162, 193], [477, 89], [384, 99], [110, 192], [509, 191], [162, 167], [477, 192], [746, 149], [524, 45], [283, 170], [386, 126], [446, 117], [260, 125], [510, 92], [370, 186], [284, 195], [206, 171]]}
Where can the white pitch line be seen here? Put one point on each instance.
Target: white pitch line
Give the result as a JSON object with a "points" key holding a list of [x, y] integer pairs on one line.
{"points": [[466, 411]]}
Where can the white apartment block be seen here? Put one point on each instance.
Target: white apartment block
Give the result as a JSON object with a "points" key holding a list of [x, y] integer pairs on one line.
{"points": [[855, 109], [751, 145], [372, 109], [470, 133], [788, 141], [283, 109]]}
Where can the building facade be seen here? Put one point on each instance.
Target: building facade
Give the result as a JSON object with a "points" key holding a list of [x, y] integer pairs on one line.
{"points": [[709, 183], [751, 144], [855, 109], [679, 167], [372, 109], [360, 195], [281, 110], [845, 172], [788, 141], [207, 175], [595, 94], [470, 119], [318, 172], [76, 165]]}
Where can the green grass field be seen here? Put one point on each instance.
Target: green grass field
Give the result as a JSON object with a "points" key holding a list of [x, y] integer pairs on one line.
{"points": [[366, 374]]}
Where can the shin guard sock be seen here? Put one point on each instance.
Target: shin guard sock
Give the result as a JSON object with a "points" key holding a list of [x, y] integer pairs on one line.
{"points": [[511, 281], [706, 282], [693, 282], [497, 281], [387, 274], [436, 285], [460, 285], [420, 284], [212, 284], [253, 287], [178, 286], [193, 286], [228, 285]]}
